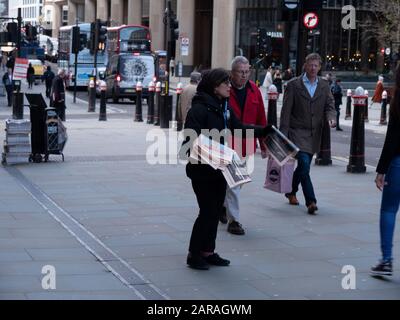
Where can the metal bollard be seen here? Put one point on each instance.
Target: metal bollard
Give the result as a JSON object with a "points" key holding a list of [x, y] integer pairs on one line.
{"points": [[357, 147], [103, 100], [366, 106], [384, 108], [139, 109], [348, 105], [18, 105], [324, 157], [150, 101], [166, 111], [273, 95], [157, 105], [178, 114], [92, 96]]}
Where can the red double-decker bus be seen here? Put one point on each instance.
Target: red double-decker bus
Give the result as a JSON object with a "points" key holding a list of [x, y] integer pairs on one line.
{"points": [[128, 38]]}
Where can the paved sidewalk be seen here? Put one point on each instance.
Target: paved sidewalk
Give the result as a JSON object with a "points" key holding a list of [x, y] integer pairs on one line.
{"points": [[116, 227]]}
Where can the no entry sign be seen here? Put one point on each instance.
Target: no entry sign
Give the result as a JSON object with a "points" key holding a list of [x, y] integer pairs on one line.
{"points": [[310, 20]]}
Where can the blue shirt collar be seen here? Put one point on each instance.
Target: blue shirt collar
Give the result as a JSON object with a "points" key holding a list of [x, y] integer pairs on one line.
{"points": [[306, 80]]}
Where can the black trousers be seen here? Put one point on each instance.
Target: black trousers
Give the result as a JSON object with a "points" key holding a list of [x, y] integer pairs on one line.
{"points": [[48, 90], [9, 95], [210, 197]]}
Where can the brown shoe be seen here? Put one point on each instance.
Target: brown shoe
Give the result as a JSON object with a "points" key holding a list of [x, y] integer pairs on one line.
{"points": [[312, 208], [292, 199], [235, 227]]}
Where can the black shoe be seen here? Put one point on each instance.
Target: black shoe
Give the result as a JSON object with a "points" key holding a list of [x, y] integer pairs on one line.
{"points": [[312, 208], [222, 218], [235, 227], [382, 269], [197, 262], [216, 260]]}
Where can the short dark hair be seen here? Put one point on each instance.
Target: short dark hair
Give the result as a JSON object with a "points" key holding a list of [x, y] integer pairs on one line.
{"points": [[211, 79]]}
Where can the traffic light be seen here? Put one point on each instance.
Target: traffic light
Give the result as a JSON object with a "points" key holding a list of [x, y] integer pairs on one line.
{"points": [[174, 34], [101, 35], [91, 43], [30, 32], [12, 30], [76, 32]]}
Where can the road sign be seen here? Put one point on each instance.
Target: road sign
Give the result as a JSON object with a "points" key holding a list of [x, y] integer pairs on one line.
{"points": [[185, 46], [387, 51], [310, 20]]}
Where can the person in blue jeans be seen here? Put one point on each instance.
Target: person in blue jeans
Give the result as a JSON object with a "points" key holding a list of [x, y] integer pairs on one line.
{"points": [[388, 181], [308, 105]]}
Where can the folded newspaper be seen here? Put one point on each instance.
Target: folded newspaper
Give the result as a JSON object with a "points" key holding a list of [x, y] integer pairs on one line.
{"points": [[220, 157], [280, 147]]}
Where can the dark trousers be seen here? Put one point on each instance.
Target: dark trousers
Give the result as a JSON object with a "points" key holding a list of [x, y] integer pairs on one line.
{"points": [[302, 176], [210, 197], [337, 107], [48, 90], [9, 91], [60, 110]]}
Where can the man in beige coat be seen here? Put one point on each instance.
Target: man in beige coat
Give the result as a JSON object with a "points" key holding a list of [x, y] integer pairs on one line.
{"points": [[307, 105], [187, 95]]}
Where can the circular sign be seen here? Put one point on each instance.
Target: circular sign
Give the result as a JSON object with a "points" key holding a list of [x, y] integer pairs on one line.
{"points": [[387, 51], [310, 20]]}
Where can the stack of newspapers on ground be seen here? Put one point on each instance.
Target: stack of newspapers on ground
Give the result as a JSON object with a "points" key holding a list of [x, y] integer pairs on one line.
{"points": [[17, 145], [221, 157]]}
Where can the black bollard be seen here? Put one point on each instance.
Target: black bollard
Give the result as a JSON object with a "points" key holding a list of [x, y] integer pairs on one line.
{"points": [[92, 96], [348, 105], [324, 156], [384, 108], [157, 105], [139, 109], [150, 107], [357, 147], [178, 113], [103, 102], [18, 105], [273, 95], [366, 119], [166, 111]]}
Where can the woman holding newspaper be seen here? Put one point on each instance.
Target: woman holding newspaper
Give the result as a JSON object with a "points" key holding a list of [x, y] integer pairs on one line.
{"points": [[211, 116]]}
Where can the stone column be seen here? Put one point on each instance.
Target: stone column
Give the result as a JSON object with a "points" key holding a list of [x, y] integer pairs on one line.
{"points": [[90, 11], [57, 22], [72, 12], [102, 10], [223, 33], [157, 9], [186, 18], [117, 12], [135, 12]]}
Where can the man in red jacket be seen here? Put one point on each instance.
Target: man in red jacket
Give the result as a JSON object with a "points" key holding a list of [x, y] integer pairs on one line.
{"points": [[247, 103]]}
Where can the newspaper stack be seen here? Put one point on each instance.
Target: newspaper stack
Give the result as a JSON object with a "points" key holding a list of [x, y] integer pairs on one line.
{"points": [[220, 157], [17, 146]]}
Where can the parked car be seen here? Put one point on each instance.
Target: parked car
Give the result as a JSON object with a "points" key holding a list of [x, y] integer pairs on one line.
{"points": [[124, 71]]}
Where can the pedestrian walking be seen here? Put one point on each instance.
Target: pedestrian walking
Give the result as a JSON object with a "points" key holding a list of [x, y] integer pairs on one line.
{"points": [[172, 66], [268, 79], [30, 74], [278, 81], [187, 95], [377, 98], [48, 78], [4, 61], [57, 100], [247, 103], [307, 104], [288, 74], [337, 93], [388, 181], [9, 85], [210, 111]]}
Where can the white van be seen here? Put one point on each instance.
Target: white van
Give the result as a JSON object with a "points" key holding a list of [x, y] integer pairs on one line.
{"points": [[124, 71]]}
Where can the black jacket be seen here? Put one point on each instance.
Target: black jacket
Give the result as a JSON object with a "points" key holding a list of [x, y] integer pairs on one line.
{"points": [[48, 76], [208, 113], [391, 147]]}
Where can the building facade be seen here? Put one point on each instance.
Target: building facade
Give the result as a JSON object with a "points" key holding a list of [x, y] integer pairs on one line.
{"points": [[212, 32], [32, 10]]}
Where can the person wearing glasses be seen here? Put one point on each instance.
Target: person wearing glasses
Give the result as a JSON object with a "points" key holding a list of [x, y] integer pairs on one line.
{"points": [[210, 114], [247, 103]]}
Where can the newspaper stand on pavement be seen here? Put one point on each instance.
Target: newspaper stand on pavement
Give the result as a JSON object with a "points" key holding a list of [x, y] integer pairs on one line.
{"points": [[17, 147], [49, 135]]}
